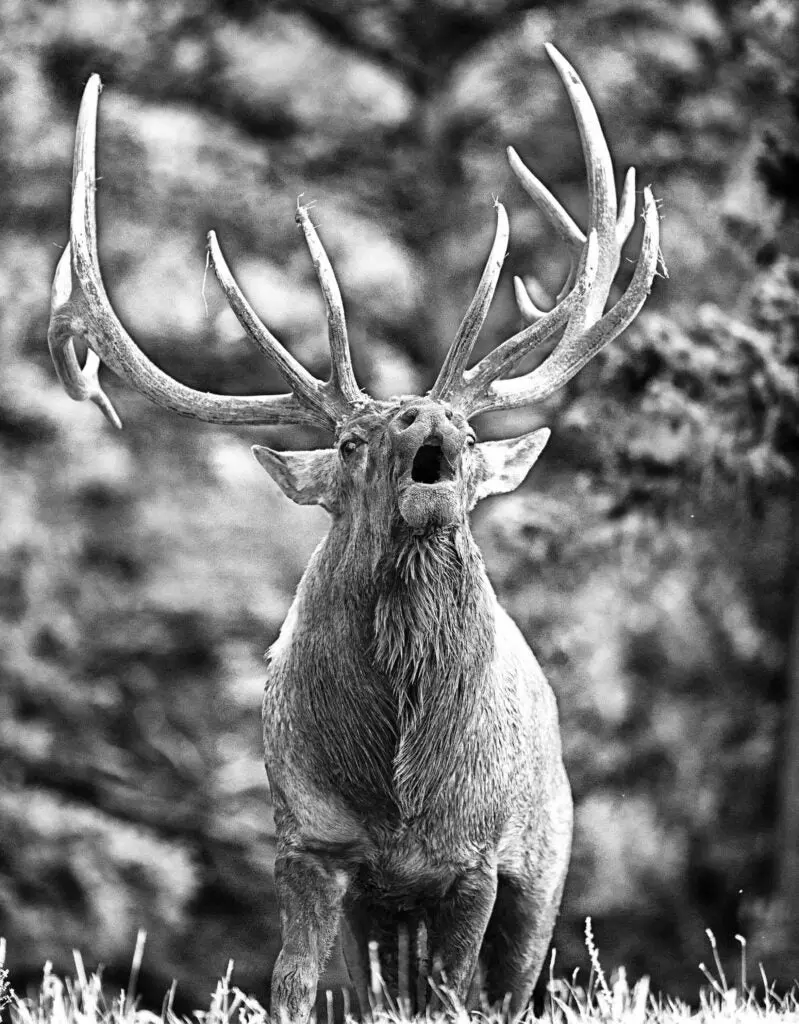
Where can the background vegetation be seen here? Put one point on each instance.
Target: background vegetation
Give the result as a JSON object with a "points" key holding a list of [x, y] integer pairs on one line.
{"points": [[651, 560]]}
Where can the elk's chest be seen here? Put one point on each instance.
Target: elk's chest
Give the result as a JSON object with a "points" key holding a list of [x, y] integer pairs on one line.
{"points": [[391, 855], [381, 737]]}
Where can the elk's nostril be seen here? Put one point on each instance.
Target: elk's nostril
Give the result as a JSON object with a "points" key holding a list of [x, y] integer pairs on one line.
{"points": [[428, 464]]}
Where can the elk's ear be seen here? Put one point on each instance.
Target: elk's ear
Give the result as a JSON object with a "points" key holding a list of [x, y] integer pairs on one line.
{"points": [[502, 465], [305, 477]]}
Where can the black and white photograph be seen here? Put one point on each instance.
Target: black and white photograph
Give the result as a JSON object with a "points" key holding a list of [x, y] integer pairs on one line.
{"points": [[399, 511]]}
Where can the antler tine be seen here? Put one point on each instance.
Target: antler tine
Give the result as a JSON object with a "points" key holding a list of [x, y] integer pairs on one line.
{"points": [[594, 262], [304, 385], [566, 228], [568, 359], [602, 192], [559, 219], [570, 234], [602, 205], [79, 383], [80, 308], [529, 310], [342, 379], [461, 348], [510, 353]]}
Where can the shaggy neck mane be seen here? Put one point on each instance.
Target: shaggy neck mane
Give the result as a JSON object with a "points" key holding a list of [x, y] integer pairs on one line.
{"points": [[433, 642]]}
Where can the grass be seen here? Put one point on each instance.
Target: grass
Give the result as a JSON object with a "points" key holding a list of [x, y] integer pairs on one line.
{"points": [[82, 1000]]}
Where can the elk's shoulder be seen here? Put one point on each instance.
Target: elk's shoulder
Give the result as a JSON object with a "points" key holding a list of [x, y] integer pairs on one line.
{"points": [[513, 652]]}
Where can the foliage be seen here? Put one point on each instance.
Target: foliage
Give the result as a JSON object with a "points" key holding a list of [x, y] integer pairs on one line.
{"points": [[715, 402]]}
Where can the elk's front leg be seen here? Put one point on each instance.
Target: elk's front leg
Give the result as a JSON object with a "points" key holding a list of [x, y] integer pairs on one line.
{"points": [[310, 891], [459, 924]]}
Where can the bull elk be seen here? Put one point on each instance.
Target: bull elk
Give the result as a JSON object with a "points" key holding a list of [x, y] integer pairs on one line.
{"points": [[411, 739]]}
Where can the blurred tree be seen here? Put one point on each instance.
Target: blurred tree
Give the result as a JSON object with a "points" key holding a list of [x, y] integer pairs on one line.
{"points": [[774, 53]]}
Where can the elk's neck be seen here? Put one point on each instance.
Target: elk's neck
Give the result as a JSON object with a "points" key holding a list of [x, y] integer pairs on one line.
{"points": [[416, 598], [419, 612], [430, 606]]}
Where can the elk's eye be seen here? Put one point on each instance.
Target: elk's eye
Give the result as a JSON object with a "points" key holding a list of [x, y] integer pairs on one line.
{"points": [[348, 447], [471, 441]]}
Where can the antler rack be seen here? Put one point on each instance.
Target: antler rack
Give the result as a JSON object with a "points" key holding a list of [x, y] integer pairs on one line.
{"points": [[80, 308], [594, 261]]}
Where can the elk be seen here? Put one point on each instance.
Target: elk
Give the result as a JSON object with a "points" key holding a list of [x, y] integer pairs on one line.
{"points": [[411, 739]]}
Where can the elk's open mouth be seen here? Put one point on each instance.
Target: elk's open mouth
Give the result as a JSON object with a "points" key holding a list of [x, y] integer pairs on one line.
{"points": [[429, 495], [430, 466]]}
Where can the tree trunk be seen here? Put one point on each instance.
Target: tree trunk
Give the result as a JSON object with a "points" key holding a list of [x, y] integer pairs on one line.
{"points": [[776, 941], [788, 822]]}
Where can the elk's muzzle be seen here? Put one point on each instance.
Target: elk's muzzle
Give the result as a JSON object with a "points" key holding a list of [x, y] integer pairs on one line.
{"points": [[428, 440]]}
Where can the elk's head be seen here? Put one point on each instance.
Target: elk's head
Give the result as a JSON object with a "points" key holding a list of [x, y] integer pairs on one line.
{"points": [[415, 458]]}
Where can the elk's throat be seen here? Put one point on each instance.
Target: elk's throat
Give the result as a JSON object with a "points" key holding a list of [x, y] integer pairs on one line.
{"points": [[433, 641]]}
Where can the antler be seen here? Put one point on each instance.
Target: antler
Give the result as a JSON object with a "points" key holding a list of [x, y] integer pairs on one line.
{"points": [[80, 309], [595, 260]]}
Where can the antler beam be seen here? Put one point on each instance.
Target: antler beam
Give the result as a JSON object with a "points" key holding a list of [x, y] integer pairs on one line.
{"points": [[594, 261], [80, 308]]}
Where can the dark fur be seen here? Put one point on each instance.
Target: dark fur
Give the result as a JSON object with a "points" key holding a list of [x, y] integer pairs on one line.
{"points": [[428, 596], [413, 751]]}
